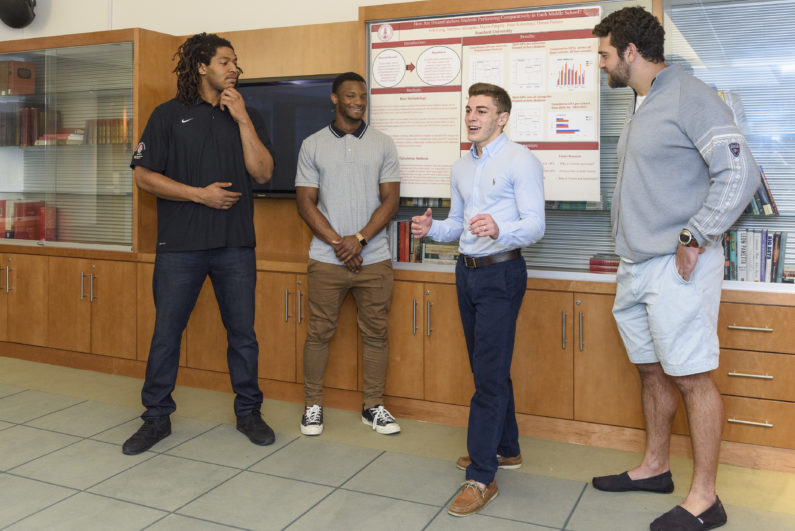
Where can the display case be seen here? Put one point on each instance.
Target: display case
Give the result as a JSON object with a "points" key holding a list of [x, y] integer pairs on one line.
{"points": [[65, 142]]}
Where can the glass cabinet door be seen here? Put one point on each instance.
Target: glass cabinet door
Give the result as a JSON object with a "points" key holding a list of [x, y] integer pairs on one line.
{"points": [[65, 145]]}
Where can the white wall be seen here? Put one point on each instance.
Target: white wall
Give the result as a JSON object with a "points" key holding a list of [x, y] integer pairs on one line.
{"points": [[182, 17]]}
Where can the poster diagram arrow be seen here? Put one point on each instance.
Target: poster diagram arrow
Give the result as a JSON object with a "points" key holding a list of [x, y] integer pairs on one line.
{"points": [[410, 67]]}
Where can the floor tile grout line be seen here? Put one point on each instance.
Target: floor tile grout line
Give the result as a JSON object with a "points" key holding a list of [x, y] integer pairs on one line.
{"points": [[445, 504], [40, 510], [415, 502], [182, 515], [573, 509], [333, 490], [56, 411], [15, 393], [79, 439], [208, 430], [282, 447]]}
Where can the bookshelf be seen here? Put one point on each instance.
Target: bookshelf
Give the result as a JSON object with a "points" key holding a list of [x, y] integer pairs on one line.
{"points": [[66, 136]]}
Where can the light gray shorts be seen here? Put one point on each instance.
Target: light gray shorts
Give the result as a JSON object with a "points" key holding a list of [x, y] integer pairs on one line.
{"points": [[662, 318]]}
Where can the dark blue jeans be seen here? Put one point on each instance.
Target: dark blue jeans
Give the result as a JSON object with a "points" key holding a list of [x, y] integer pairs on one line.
{"points": [[489, 299], [177, 280]]}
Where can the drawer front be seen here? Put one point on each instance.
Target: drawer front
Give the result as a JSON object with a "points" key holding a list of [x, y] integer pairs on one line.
{"points": [[754, 421], [756, 374], [757, 327]]}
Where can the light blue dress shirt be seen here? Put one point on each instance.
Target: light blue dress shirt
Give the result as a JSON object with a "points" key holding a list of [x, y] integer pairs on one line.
{"points": [[506, 181]]}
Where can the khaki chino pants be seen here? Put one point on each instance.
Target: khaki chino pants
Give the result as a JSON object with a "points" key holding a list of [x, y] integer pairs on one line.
{"points": [[328, 284]]}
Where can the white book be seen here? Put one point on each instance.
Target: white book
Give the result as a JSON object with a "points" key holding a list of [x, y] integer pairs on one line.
{"points": [[742, 254], [755, 257]]}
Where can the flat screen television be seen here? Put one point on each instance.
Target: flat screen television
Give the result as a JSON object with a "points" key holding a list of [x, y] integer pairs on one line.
{"points": [[293, 108]]}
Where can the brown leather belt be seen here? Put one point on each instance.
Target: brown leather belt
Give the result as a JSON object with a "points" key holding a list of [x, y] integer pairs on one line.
{"points": [[474, 262]]}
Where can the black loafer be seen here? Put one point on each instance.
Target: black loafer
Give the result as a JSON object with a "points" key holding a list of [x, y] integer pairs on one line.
{"points": [[680, 519], [253, 427], [152, 432], [663, 483]]}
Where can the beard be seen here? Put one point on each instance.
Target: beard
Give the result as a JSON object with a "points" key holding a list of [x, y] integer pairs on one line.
{"points": [[619, 77]]}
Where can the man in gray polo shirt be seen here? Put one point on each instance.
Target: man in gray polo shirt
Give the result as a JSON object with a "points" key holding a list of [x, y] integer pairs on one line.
{"points": [[348, 188]]}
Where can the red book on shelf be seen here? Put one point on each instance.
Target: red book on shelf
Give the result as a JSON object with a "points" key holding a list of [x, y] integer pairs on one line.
{"points": [[47, 223], [603, 269], [604, 261], [403, 241]]}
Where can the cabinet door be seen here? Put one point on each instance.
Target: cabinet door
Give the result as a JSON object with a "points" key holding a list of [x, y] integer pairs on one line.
{"points": [[205, 334], [275, 322], [27, 299], [145, 310], [69, 319], [113, 292], [404, 375], [448, 376], [543, 365], [606, 384], [343, 356], [4, 289]]}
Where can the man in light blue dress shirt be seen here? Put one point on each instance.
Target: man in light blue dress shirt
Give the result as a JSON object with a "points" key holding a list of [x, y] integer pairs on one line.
{"points": [[496, 208]]}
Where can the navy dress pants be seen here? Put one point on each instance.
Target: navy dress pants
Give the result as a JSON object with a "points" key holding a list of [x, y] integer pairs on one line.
{"points": [[489, 299], [177, 281]]}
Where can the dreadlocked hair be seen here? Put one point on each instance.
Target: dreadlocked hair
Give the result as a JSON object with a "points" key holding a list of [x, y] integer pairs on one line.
{"points": [[199, 49]]}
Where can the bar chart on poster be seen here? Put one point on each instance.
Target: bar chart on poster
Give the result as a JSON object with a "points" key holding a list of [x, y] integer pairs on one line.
{"points": [[421, 69]]}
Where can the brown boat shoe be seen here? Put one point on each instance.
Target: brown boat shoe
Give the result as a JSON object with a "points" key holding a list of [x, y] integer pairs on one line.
{"points": [[506, 463], [472, 498]]}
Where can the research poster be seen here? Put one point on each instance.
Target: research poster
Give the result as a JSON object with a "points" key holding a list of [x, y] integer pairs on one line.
{"points": [[547, 60]]}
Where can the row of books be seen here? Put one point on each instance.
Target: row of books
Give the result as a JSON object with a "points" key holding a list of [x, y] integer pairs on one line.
{"points": [[406, 248], [32, 126], [756, 255], [763, 204], [27, 220], [424, 202]]}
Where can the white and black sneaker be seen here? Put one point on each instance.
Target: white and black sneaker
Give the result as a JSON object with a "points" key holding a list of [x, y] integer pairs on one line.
{"points": [[312, 421], [380, 419]]}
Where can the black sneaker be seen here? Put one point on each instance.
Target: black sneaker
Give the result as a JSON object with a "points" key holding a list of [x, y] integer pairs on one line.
{"points": [[153, 431], [257, 431], [380, 419], [312, 420]]}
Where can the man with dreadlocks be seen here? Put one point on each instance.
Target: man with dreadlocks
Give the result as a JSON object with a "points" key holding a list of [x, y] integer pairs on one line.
{"points": [[198, 154]]}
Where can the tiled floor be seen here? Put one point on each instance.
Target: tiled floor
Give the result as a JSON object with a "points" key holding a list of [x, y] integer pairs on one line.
{"points": [[61, 467]]}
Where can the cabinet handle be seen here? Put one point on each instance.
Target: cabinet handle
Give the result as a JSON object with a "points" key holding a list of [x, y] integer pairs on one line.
{"points": [[428, 324], [750, 328], [300, 293], [82, 285], [563, 326], [286, 305], [414, 317], [8, 276], [581, 334], [91, 278], [751, 423], [746, 375]]}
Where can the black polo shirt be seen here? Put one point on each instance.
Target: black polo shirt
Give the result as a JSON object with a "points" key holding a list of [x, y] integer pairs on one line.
{"points": [[198, 145]]}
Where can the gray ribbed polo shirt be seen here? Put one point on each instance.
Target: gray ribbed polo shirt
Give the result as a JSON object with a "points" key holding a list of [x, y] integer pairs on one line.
{"points": [[347, 170]]}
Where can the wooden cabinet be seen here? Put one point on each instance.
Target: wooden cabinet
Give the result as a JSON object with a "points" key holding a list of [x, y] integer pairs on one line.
{"points": [[447, 374], [606, 383], [755, 373], [405, 372], [26, 298], [281, 318], [92, 306], [543, 362]]}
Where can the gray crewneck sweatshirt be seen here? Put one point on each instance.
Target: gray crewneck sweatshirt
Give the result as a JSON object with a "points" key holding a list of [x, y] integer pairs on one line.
{"points": [[682, 163]]}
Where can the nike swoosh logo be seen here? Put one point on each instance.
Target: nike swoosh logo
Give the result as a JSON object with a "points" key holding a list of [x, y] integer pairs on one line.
{"points": [[184, 121]]}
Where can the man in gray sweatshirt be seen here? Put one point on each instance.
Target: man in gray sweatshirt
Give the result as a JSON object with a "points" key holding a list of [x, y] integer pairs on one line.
{"points": [[685, 174]]}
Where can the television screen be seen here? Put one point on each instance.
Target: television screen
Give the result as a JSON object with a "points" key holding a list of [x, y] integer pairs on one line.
{"points": [[293, 109]]}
